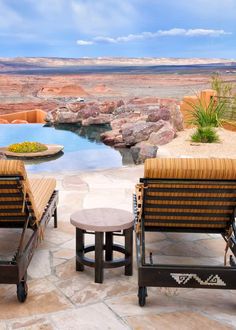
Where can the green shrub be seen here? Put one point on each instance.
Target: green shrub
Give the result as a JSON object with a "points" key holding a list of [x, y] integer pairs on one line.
{"points": [[207, 115], [25, 147], [205, 135]]}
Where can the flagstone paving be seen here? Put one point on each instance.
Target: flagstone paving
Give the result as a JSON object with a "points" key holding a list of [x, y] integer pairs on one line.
{"points": [[61, 298]]}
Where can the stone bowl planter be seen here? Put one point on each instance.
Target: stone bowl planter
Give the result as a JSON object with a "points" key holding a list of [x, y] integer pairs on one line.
{"points": [[53, 149]]}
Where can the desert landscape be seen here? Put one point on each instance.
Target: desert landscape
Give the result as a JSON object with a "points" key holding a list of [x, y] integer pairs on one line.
{"points": [[138, 98], [26, 83]]}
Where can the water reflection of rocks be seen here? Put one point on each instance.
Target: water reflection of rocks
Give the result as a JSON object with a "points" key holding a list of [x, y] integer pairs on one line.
{"points": [[92, 133]]}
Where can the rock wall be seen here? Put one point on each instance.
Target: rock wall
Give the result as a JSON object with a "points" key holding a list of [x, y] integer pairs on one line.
{"points": [[140, 124]]}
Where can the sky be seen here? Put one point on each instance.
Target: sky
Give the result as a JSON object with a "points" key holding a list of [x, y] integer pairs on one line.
{"points": [[120, 28]]}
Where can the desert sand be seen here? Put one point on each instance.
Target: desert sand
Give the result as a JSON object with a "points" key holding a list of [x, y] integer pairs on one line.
{"points": [[182, 146]]}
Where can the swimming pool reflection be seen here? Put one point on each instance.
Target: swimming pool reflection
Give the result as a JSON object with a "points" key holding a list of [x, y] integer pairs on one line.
{"points": [[83, 149]]}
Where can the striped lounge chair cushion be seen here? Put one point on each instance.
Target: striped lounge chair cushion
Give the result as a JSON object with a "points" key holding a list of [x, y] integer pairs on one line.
{"points": [[190, 203], [41, 189], [190, 168], [36, 191]]}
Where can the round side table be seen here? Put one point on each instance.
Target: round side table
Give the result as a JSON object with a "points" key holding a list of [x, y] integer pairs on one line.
{"points": [[100, 221]]}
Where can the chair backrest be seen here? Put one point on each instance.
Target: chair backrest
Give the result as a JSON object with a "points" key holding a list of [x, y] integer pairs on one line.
{"points": [[16, 199], [189, 193]]}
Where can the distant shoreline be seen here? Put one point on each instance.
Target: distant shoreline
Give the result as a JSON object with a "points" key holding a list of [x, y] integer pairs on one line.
{"points": [[206, 69]]}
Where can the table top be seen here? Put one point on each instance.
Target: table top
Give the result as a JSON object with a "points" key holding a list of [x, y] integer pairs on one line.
{"points": [[102, 219]]}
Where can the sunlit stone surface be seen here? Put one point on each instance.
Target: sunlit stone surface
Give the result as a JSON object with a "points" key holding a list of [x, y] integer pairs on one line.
{"points": [[61, 298]]}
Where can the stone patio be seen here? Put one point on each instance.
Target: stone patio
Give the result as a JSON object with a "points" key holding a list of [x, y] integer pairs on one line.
{"points": [[61, 298]]}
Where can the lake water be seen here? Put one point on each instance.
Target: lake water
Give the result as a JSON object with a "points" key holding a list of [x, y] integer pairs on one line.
{"points": [[82, 147], [208, 69]]}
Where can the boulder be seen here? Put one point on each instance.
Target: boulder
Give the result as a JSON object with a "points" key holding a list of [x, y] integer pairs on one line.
{"points": [[177, 118], [119, 144], [139, 131], [50, 117], [70, 113], [90, 110], [120, 103], [101, 119], [118, 123], [142, 151], [112, 138], [64, 117], [76, 106], [157, 113], [108, 107], [128, 119], [165, 134], [123, 110]]}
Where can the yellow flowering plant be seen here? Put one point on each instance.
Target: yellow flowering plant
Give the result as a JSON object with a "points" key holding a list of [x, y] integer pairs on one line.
{"points": [[27, 147]]}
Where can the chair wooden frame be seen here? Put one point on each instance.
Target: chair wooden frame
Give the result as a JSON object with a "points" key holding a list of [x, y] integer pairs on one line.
{"points": [[159, 205], [15, 270]]}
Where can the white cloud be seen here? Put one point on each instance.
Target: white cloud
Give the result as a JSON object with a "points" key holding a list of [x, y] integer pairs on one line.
{"points": [[206, 32], [192, 32], [160, 33], [84, 42]]}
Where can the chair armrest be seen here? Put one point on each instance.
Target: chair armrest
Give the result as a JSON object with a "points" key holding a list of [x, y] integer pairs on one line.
{"points": [[135, 210], [138, 206]]}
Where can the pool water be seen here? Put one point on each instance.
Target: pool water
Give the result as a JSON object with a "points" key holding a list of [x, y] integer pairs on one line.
{"points": [[82, 147]]}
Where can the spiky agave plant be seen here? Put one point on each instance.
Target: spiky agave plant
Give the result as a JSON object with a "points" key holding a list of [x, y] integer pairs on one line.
{"points": [[205, 135], [210, 115]]}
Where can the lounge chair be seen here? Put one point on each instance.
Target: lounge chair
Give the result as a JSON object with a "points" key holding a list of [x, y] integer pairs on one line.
{"points": [[25, 204], [186, 195]]}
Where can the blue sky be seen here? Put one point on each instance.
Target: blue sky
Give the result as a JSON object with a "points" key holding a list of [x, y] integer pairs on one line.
{"points": [[132, 28]]}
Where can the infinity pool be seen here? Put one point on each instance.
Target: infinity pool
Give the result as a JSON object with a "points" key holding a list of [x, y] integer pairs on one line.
{"points": [[82, 147]]}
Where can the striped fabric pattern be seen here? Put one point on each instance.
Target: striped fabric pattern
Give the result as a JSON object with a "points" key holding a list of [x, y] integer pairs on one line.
{"points": [[190, 168], [37, 192], [189, 204], [12, 167], [41, 190], [11, 202]]}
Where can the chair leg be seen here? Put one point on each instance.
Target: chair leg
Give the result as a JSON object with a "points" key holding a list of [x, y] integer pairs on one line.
{"points": [[55, 218], [99, 257], [79, 248], [129, 250], [109, 243]]}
